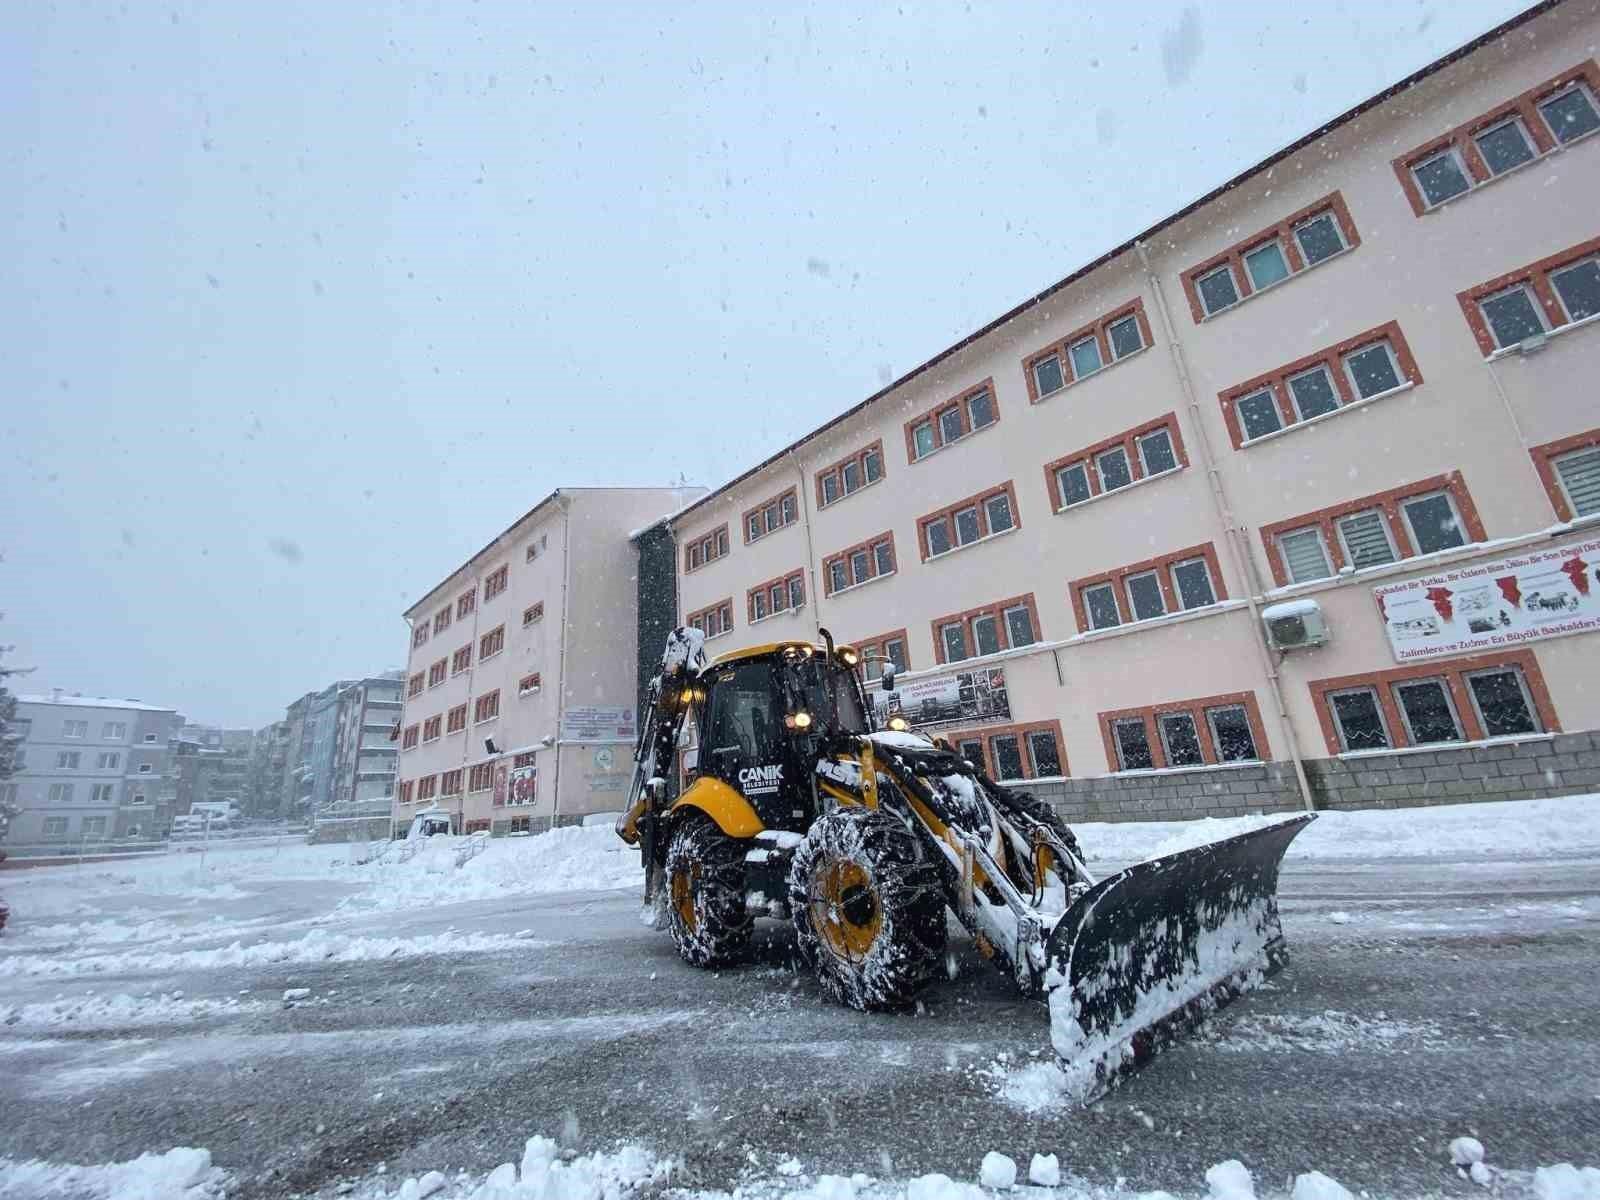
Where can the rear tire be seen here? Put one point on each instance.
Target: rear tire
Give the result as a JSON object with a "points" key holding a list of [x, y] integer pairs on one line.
{"points": [[868, 909], [704, 889]]}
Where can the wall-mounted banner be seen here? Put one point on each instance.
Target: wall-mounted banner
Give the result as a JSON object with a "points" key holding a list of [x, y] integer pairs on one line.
{"points": [[598, 722], [524, 787], [960, 698], [500, 771], [1489, 605]]}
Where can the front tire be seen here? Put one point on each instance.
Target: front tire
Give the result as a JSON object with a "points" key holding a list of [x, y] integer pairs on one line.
{"points": [[868, 909], [704, 888]]}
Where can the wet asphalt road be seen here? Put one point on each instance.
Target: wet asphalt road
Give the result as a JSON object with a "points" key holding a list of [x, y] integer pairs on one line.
{"points": [[1423, 1001]]}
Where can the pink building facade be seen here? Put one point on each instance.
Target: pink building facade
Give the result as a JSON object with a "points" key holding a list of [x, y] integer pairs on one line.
{"points": [[1351, 395]]}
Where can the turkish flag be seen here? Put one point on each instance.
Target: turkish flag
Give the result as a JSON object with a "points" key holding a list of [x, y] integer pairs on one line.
{"points": [[1441, 601], [1509, 589], [1575, 569]]}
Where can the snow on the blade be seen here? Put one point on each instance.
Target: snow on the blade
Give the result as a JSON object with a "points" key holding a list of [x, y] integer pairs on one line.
{"points": [[179, 1174]]}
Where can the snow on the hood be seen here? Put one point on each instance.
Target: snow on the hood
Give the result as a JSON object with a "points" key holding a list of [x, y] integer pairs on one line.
{"points": [[317, 946], [179, 1174]]}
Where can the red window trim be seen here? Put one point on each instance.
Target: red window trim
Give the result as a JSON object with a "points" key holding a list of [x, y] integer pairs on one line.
{"points": [[450, 782], [1536, 276], [438, 672], [1330, 357], [985, 735], [1544, 460], [466, 603], [410, 736], [959, 400], [528, 683], [1128, 440], [1454, 671], [788, 493], [1389, 501], [432, 728], [459, 664], [1524, 105], [1196, 708], [949, 512], [997, 610], [441, 620], [1283, 231], [1162, 565], [1098, 330], [497, 635], [405, 791], [496, 582], [715, 536], [870, 545], [456, 719], [860, 459], [534, 612], [876, 644], [419, 634], [766, 588], [702, 613], [488, 701], [415, 684]]}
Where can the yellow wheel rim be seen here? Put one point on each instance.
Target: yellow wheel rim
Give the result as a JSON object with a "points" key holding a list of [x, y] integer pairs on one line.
{"points": [[683, 897], [844, 909]]}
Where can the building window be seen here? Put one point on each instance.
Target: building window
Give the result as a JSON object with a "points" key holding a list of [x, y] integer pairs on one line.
{"points": [[951, 421], [714, 620], [146, 768], [110, 762], [1373, 369], [1112, 469], [102, 793], [708, 547], [1319, 238], [410, 736], [419, 635], [1266, 265], [441, 620], [1571, 113], [461, 660], [492, 643], [1575, 475], [1179, 739], [75, 729], [1133, 745], [431, 729], [1125, 336], [838, 578], [1136, 454], [456, 719], [1192, 578], [1144, 596], [1504, 146], [885, 647], [405, 791], [437, 673], [1100, 601], [1364, 537], [1434, 523], [767, 517], [113, 731], [1441, 176], [466, 603], [1007, 625], [1072, 484], [480, 778], [1019, 625], [1155, 453], [1231, 733], [1313, 393], [1513, 316], [859, 564], [496, 583], [985, 515], [1045, 753], [1427, 712], [1086, 351], [67, 760], [1578, 288], [486, 707], [528, 684], [1217, 292], [1304, 555], [1258, 413], [427, 787], [534, 612], [1085, 356], [954, 638], [415, 684], [55, 826], [1359, 719], [1047, 376], [450, 781], [986, 633], [1007, 750]]}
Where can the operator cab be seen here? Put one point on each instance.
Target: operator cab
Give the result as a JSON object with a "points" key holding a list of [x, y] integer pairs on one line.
{"points": [[761, 719]]}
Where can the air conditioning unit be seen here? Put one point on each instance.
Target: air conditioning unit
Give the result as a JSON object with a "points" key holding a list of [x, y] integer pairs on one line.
{"points": [[1295, 625]]}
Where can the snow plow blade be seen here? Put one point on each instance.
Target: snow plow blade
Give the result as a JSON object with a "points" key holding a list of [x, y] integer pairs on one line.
{"points": [[1147, 953]]}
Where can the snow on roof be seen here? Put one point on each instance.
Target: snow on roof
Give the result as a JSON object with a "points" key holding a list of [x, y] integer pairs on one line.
{"points": [[95, 702]]}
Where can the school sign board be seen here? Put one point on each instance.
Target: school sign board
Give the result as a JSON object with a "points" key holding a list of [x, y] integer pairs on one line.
{"points": [[964, 697], [1488, 606]]}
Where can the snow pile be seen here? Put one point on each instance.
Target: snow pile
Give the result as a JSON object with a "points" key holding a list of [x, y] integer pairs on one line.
{"points": [[180, 1174], [316, 946], [1033, 1087], [1327, 1032], [997, 1171], [573, 858], [1044, 1170], [1230, 1180], [1503, 829], [1567, 1182], [120, 1010], [545, 1175], [1314, 1185]]}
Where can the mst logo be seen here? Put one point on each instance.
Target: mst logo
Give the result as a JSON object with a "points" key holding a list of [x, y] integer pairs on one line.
{"points": [[758, 781]]}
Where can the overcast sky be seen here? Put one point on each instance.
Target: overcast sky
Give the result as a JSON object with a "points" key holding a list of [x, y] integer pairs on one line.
{"points": [[303, 304]]}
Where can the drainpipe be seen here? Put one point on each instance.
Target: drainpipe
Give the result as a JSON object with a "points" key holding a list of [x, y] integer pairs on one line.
{"points": [[1244, 563], [561, 655], [813, 591]]}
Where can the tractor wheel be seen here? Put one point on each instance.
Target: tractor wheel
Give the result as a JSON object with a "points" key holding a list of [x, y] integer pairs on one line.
{"points": [[705, 893], [868, 909]]}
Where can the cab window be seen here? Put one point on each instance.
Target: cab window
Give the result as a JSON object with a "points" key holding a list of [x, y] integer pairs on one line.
{"points": [[744, 716]]}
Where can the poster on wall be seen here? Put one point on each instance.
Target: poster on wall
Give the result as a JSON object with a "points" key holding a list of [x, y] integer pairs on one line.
{"points": [[598, 722], [500, 786], [959, 698], [1487, 606], [523, 787]]}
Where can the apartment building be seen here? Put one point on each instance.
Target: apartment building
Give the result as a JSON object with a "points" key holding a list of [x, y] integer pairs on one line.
{"points": [[364, 749], [90, 768], [1351, 393], [521, 684]]}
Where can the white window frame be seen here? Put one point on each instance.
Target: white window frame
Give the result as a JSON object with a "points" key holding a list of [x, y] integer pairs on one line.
{"points": [[1082, 468], [1033, 754], [1130, 319], [1177, 584], [1455, 154], [1216, 737], [1100, 363], [1455, 512], [1238, 294], [844, 477], [1563, 269], [1515, 120], [1088, 608], [927, 536], [831, 477], [1161, 598], [972, 420], [1038, 384], [1271, 393], [1283, 257], [1577, 85], [1522, 685], [1322, 545], [988, 515], [1561, 481], [881, 551], [860, 566], [1027, 614], [75, 730], [961, 422], [1127, 466], [944, 641], [916, 445], [1172, 451], [1332, 218], [1526, 288], [1338, 727], [758, 604], [1022, 762], [1166, 743], [977, 521], [778, 597], [977, 641], [1388, 535], [1116, 742], [867, 459], [838, 575], [121, 731], [1349, 371], [1294, 400], [1405, 717]]}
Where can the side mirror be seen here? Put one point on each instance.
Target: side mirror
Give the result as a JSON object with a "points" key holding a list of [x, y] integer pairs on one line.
{"points": [[888, 677]]}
